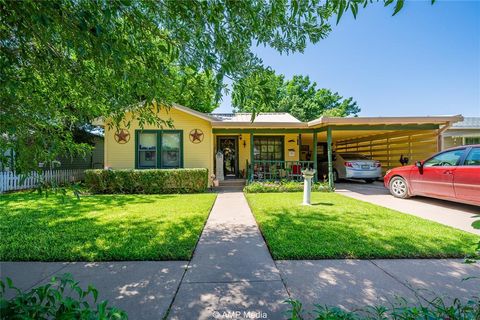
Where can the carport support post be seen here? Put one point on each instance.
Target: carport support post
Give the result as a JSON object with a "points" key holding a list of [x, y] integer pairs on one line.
{"points": [[329, 154], [315, 177], [251, 157]]}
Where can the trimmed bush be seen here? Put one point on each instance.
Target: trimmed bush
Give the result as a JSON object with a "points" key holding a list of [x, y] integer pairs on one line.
{"points": [[282, 186], [149, 181]]}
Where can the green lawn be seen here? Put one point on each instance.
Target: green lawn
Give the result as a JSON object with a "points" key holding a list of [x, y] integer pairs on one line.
{"points": [[101, 227], [336, 226]]}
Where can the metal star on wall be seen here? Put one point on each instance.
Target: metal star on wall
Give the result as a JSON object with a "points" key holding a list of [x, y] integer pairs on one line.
{"points": [[196, 136], [122, 136]]}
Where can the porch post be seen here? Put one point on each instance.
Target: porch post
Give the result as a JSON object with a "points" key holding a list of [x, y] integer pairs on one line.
{"points": [[251, 156], [315, 177], [331, 184]]}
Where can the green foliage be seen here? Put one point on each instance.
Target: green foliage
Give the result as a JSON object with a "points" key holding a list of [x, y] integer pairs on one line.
{"points": [[64, 63], [282, 186], [62, 298], [265, 91], [151, 181], [475, 257], [434, 308], [337, 227]]}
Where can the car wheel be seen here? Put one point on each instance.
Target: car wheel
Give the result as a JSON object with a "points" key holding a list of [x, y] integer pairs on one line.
{"points": [[369, 180], [399, 188]]}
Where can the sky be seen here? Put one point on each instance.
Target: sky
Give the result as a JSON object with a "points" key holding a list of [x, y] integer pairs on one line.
{"points": [[423, 61]]}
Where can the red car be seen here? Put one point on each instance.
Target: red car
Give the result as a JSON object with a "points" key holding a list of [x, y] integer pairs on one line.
{"points": [[453, 174]]}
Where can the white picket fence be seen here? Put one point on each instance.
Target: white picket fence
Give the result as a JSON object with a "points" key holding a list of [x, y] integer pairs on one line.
{"points": [[9, 180]]}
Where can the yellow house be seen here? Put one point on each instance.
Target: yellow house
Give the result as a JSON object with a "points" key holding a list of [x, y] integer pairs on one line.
{"points": [[282, 145]]}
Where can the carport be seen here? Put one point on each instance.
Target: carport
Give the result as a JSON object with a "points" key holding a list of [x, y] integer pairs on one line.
{"points": [[385, 139]]}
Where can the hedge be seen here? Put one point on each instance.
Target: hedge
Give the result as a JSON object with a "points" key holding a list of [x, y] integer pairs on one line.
{"points": [[148, 181], [282, 186]]}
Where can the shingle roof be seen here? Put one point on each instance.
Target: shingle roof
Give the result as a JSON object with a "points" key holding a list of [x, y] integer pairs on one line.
{"points": [[278, 117], [468, 123]]}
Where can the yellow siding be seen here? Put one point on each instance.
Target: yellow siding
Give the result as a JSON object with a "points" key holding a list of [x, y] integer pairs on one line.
{"points": [[291, 143], [200, 155]]}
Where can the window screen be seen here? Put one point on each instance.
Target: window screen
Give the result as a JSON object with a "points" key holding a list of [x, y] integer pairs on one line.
{"points": [[147, 150], [171, 150], [268, 148]]}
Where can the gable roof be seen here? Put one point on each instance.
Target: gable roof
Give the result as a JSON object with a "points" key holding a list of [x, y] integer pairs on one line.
{"points": [[467, 123]]}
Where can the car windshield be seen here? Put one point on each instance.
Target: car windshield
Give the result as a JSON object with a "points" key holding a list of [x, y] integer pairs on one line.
{"points": [[354, 156]]}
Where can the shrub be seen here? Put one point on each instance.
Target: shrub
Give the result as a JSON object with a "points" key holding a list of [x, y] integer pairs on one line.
{"points": [[282, 186], [435, 308], [150, 181], [62, 298]]}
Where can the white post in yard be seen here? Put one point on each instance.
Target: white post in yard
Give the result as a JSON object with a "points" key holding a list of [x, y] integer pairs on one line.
{"points": [[307, 185]]}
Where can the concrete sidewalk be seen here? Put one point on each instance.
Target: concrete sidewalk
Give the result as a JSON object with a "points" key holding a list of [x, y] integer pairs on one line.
{"points": [[457, 215], [350, 284], [144, 289], [231, 271]]}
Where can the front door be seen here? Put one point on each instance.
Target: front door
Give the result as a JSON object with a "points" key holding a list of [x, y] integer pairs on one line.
{"points": [[228, 146]]}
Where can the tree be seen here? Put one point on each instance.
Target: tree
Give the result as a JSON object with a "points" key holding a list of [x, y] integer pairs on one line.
{"points": [[298, 96], [64, 63]]}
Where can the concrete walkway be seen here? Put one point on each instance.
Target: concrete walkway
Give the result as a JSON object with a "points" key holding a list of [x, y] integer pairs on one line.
{"points": [[231, 271], [457, 215]]}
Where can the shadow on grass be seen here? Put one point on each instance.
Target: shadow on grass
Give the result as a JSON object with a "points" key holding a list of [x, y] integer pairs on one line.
{"points": [[98, 228], [322, 204]]}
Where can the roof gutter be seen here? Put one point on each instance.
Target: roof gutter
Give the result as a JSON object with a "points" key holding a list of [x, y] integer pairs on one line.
{"points": [[286, 125]]}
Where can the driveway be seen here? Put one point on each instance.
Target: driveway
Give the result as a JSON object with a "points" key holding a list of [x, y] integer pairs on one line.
{"points": [[457, 215]]}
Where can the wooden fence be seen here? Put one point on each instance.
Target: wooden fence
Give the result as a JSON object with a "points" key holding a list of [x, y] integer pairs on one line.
{"points": [[389, 147], [9, 180]]}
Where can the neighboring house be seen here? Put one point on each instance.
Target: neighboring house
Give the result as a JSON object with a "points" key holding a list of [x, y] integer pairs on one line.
{"points": [[91, 160], [273, 146], [462, 133]]}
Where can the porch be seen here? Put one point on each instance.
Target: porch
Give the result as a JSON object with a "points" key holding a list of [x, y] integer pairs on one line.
{"points": [[264, 170]]}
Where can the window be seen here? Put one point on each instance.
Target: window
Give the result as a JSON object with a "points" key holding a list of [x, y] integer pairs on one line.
{"points": [[147, 150], [448, 158], [268, 148], [159, 149], [171, 150], [471, 140], [473, 158]]}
